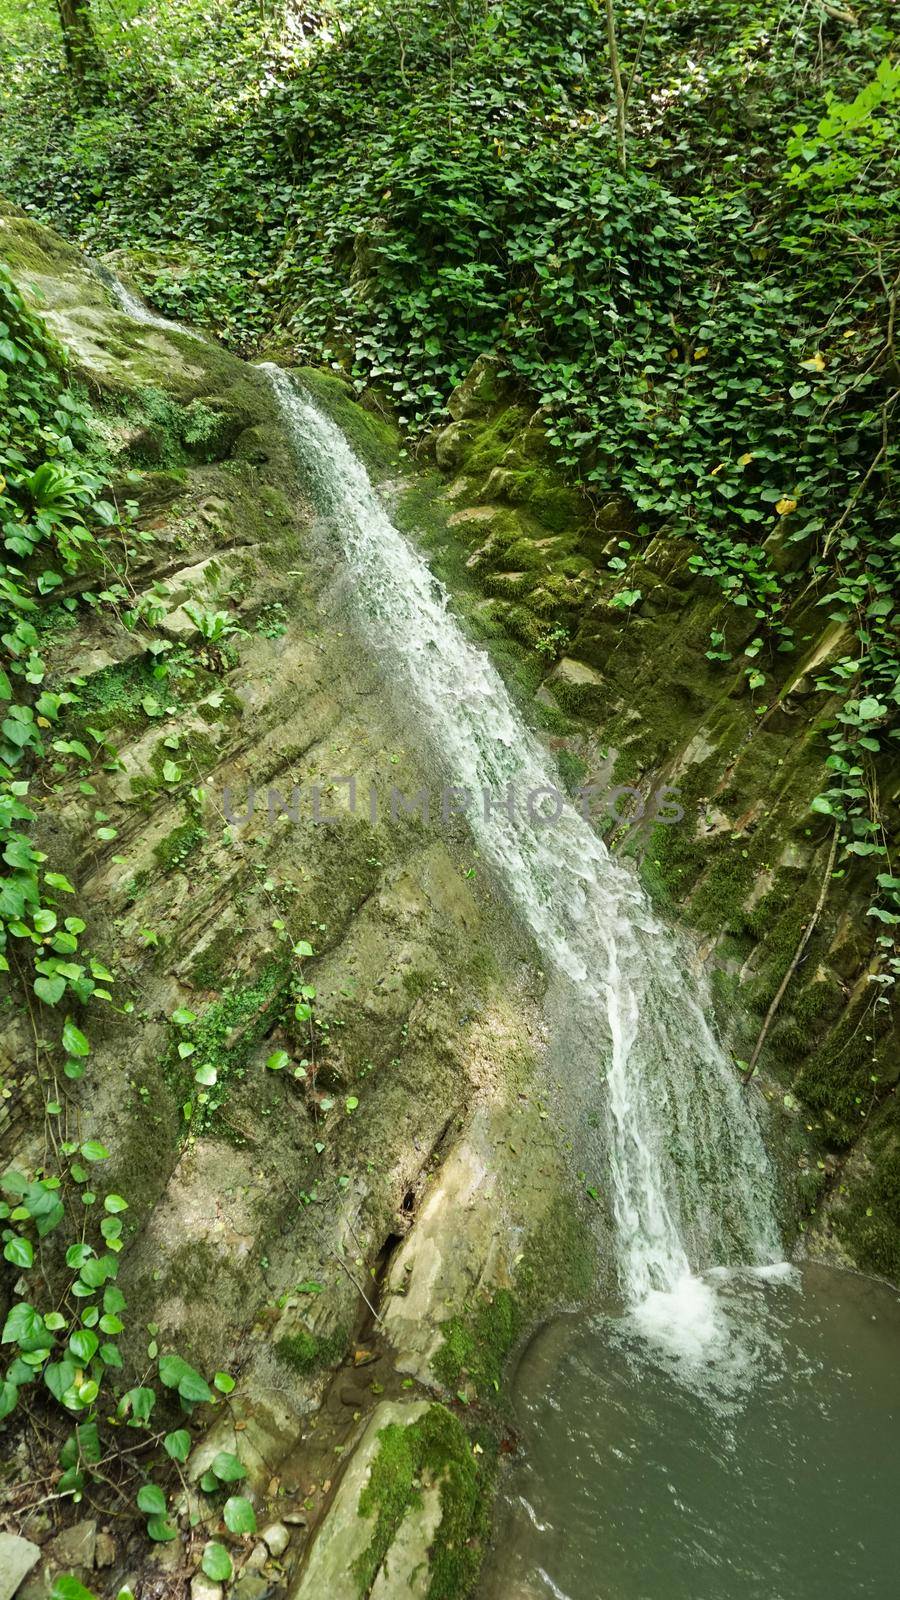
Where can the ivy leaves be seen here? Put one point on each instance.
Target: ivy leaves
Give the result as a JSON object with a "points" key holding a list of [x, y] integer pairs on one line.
{"points": [[73, 1347]]}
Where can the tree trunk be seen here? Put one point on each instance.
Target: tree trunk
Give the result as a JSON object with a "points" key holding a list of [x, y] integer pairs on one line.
{"points": [[83, 56], [617, 83]]}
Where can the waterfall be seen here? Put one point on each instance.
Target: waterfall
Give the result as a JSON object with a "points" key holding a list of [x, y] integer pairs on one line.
{"points": [[689, 1183], [136, 309]]}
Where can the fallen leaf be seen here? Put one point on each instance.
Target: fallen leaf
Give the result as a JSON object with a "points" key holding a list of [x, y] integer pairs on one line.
{"points": [[785, 506]]}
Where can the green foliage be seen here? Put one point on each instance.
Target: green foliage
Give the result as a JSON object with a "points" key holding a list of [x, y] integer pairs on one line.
{"points": [[54, 522], [216, 1562], [211, 625], [65, 1337], [61, 1237], [711, 335], [221, 1040]]}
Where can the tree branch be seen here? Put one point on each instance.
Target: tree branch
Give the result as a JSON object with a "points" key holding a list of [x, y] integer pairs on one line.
{"points": [[798, 956]]}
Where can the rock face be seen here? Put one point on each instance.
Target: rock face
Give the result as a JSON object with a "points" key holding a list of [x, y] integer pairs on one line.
{"points": [[346, 1534], [379, 1199], [397, 1505], [266, 1204], [606, 633]]}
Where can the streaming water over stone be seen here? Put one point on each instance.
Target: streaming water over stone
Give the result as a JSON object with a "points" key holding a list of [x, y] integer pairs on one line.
{"points": [[688, 1179], [136, 309], [690, 1185]]}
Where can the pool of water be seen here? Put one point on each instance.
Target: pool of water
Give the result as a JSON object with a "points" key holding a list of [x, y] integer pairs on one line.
{"points": [[777, 1479]]}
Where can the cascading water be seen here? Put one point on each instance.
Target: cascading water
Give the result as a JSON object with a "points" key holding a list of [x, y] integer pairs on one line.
{"points": [[135, 308], [689, 1175], [690, 1185]]}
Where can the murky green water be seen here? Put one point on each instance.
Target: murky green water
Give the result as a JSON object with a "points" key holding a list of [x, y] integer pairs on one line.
{"points": [[780, 1482]]}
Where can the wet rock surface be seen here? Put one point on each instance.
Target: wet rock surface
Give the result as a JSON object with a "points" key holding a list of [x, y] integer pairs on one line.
{"points": [[606, 634], [264, 1221]]}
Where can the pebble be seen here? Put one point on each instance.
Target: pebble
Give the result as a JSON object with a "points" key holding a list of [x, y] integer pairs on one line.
{"points": [[251, 1586], [17, 1557], [257, 1558], [203, 1588], [352, 1397], [104, 1550], [168, 1556], [75, 1546], [277, 1538]]}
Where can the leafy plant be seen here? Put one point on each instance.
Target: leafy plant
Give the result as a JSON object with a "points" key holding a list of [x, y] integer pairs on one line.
{"points": [[212, 625]]}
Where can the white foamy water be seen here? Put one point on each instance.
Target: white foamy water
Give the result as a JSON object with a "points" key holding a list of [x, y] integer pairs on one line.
{"points": [[138, 311], [689, 1183]]}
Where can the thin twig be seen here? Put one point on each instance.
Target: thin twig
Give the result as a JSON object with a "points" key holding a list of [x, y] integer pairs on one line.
{"points": [[634, 65], [798, 955], [357, 1286], [882, 452]]}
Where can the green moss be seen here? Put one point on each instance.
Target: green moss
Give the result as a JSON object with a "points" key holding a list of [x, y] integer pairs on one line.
{"points": [[491, 439], [810, 1185], [559, 1265], [789, 1038], [546, 496], [823, 998], [573, 770], [132, 693], [196, 754], [114, 697], [178, 846], [374, 437], [719, 901], [477, 1343], [778, 949], [416, 982], [173, 432], [837, 1077], [53, 622], [210, 970], [436, 1449], [224, 1038], [308, 1352], [673, 863], [869, 1221]]}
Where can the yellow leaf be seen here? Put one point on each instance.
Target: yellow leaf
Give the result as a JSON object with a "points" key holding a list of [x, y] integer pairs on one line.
{"points": [[703, 351], [815, 363], [785, 506], [2, 483], [747, 457], [849, 333], [42, 722], [716, 470]]}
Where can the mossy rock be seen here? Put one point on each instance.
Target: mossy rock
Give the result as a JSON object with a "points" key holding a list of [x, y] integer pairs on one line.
{"points": [[411, 1513]]}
